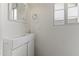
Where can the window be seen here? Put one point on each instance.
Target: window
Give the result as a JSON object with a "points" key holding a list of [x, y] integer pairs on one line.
{"points": [[58, 14], [65, 13], [72, 13]]}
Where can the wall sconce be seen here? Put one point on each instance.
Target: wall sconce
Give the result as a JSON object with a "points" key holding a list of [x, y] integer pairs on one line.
{"points": [[34, 16]]}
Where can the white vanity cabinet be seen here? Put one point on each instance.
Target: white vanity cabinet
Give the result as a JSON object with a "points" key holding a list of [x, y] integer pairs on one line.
{"points": [[22, 46], [31, 48], [20, 51]]}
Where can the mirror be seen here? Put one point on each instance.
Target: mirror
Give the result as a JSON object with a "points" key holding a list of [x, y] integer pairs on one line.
{"points": [[17, 12]]}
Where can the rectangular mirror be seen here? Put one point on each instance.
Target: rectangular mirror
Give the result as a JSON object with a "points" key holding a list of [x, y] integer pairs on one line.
{"points": [[17, 12]]}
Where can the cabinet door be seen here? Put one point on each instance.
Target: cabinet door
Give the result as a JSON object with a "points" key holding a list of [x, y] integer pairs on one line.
{"points": [[7, 47], [31, 48], [20, 51]]}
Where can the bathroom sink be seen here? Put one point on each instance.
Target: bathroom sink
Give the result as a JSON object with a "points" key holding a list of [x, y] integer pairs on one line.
{"points": [[18, 41]]}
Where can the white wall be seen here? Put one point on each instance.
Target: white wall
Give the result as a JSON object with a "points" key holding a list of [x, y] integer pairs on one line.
{"points": [[11, 28], [0, 33], [53, 40]]}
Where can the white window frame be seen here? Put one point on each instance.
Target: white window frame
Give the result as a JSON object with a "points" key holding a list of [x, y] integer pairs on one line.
{"points": [[65, 14]]}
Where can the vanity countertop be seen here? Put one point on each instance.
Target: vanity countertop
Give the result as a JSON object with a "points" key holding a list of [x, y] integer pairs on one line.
{"points": [[17, 41]]}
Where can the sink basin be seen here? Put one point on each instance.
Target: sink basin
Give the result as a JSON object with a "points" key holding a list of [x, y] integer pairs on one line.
{"points": [[18, 41]]}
